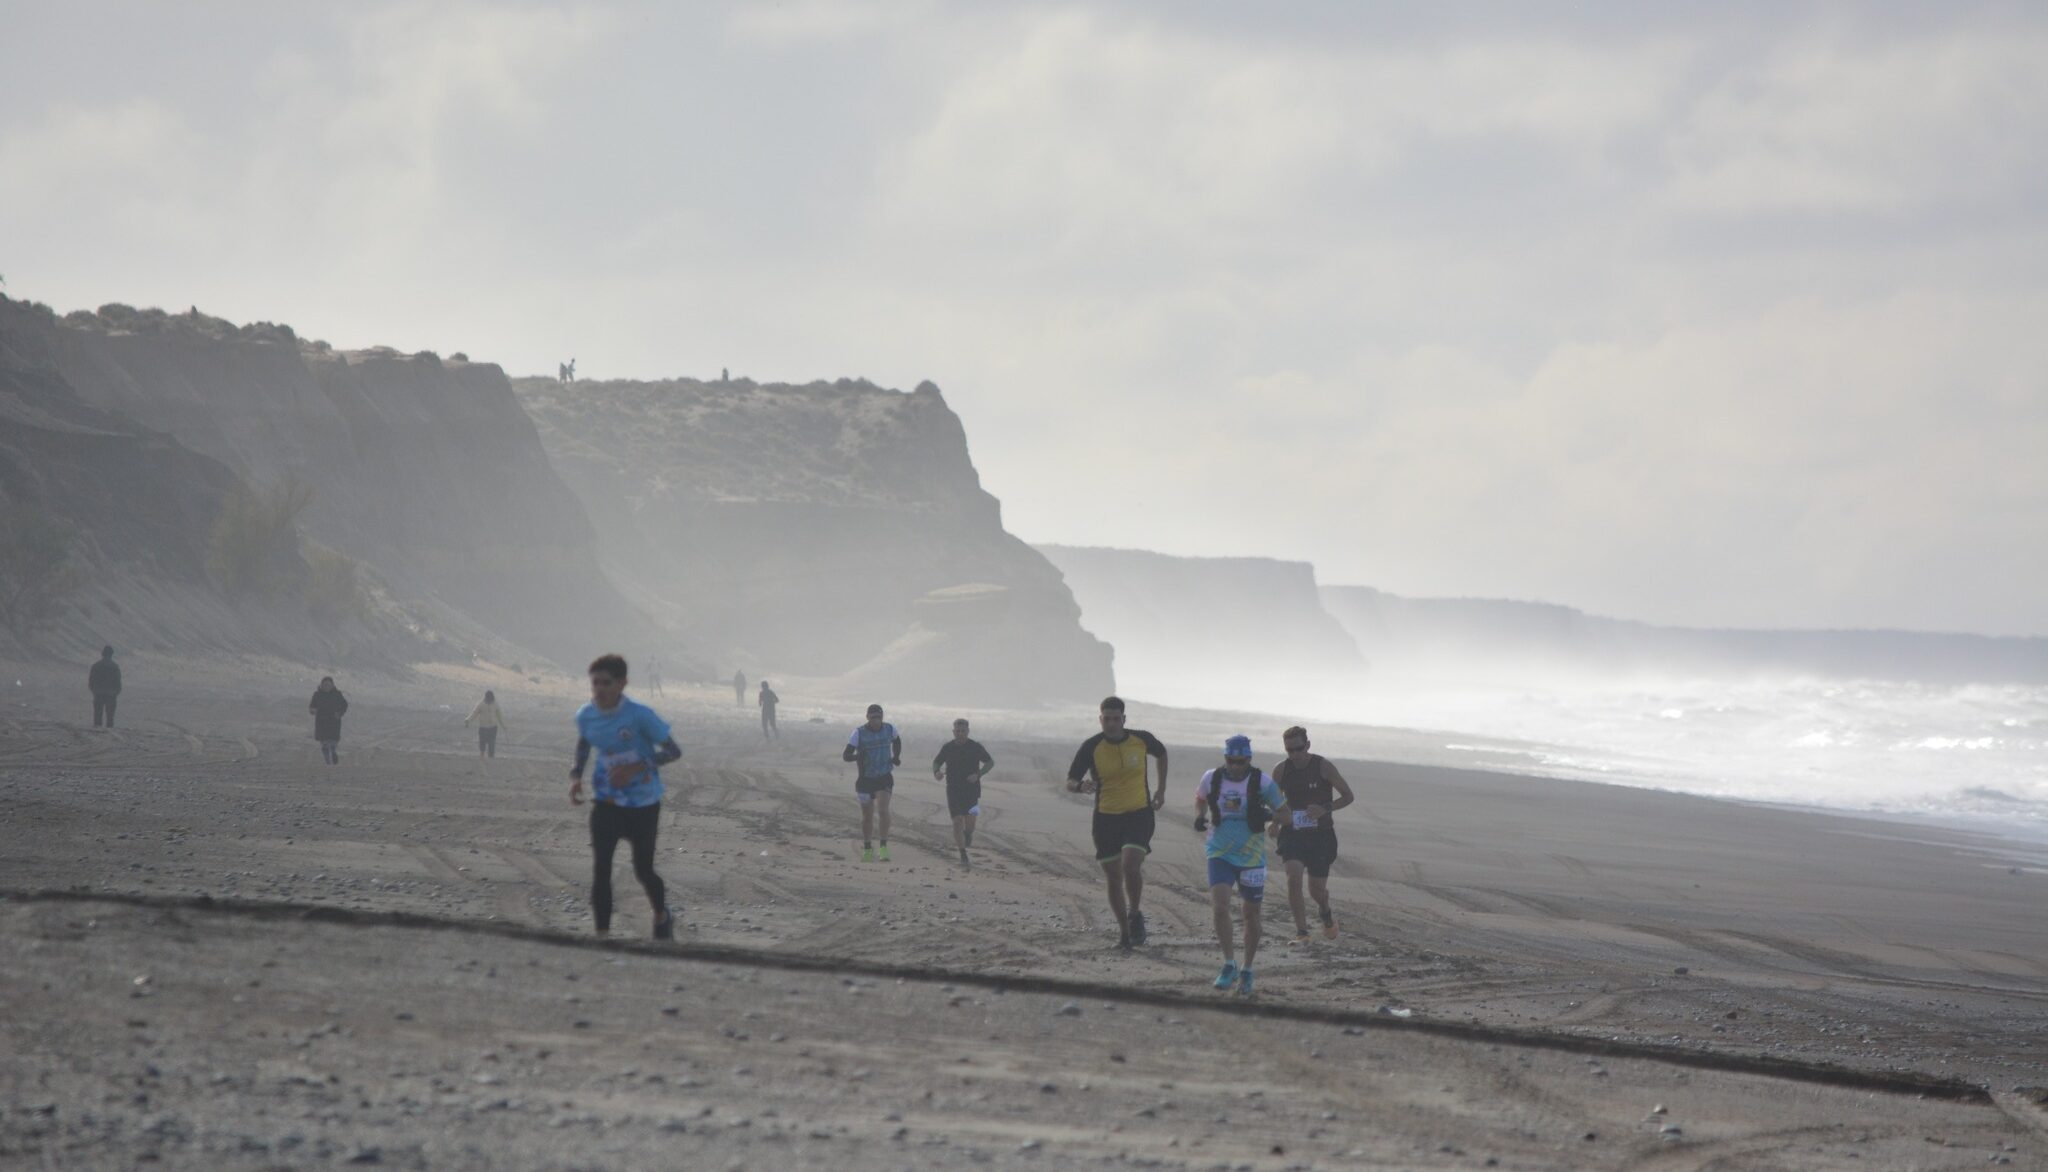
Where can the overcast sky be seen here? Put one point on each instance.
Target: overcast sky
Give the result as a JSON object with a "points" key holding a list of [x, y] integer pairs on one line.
{"points": [[1728, 314]]}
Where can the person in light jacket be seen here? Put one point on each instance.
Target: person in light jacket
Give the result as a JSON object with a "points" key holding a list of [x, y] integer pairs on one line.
{"points": [[487, 720]]}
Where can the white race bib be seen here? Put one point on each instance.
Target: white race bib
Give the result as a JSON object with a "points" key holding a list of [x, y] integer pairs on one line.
{"points": [[1303, 820]]}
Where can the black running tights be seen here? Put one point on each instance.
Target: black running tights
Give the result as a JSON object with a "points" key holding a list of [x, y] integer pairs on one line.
{"points": [[638, 825]]}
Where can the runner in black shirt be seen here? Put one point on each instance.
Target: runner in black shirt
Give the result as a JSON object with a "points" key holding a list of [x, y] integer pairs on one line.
{"points": [[962, 763]]}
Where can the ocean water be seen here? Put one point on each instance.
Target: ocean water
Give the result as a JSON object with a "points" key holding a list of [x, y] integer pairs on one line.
{"points": [[1976, 752], [1971, 753]]}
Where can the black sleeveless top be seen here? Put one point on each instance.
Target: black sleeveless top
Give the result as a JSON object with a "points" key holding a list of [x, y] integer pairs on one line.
{"points": [[1304, 787]]}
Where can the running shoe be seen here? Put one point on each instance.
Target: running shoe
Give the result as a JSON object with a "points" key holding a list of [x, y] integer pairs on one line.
{"points": [[1329, 924], [884, 853], [1301, 937], [1137, 928], [1244, 982], [1228, 977], [867, 854], [1123, 941], [963, 858], [665, 927]]}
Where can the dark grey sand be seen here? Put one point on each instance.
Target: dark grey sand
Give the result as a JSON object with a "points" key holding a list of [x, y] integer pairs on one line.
{"points": [[1569, 935]]}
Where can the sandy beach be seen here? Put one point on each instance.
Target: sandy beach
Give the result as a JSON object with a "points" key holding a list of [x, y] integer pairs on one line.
{"points": [[1527, 967]]}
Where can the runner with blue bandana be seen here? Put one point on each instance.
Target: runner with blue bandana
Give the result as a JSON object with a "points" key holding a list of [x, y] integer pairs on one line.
{"points": [[1234, 804]]}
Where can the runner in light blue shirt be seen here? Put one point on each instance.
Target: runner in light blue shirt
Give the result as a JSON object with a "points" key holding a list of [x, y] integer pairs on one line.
{"points": [[1235, 804]]}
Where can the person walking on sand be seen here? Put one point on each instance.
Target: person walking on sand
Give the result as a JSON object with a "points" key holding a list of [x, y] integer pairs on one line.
{"points": [[1234, 804], [630, 744], [739, 688], [961, 763], [769, 700], [103, 680], [1112, 765], [328, 706], [487, 720], [1308, 839], [877, 748]]}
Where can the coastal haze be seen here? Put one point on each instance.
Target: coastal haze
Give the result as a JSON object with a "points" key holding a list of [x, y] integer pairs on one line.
{"points": [[1617, 437]]}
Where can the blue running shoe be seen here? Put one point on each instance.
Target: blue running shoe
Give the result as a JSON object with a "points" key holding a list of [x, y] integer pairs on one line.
{"points": [[1244, 982], [1228, 977]]}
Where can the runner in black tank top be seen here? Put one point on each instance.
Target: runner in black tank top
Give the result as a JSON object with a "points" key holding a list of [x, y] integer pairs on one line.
{"points": [[1308, 839]]}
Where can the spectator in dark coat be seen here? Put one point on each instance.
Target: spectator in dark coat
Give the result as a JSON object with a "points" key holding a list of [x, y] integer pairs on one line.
{"points": [[327, 708], [104, 681]]}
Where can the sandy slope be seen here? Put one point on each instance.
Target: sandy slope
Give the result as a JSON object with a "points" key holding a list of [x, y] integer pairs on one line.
{"points": [[1514, 904]]}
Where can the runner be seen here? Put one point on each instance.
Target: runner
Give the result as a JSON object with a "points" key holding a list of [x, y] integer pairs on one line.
{"points": [[739, 688], [103, 680], [1111, 764], [962, 763], [1308, 840], [879, 750], [1234, 804], [631, 744], [328, 706], [769, 700], [487, 720]]}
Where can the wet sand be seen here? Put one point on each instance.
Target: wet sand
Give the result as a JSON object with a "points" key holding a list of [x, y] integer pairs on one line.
{"points": [[1590, 951]]}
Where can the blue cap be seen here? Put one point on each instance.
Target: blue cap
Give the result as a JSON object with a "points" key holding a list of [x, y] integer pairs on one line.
{"points": [[1238, 746]]}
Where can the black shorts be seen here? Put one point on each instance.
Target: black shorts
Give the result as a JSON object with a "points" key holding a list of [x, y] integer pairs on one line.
{"points": [[1114, 832], [868, 787], [1314, 848], [963, 798]]}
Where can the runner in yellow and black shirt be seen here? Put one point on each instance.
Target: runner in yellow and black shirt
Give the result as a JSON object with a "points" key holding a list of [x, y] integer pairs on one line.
{"points": [[1112, 764]]}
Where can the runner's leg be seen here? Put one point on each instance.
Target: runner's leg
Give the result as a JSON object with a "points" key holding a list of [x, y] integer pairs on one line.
{"points": [[1134, 876], [867, 820], [1253, 927], [642, 827], [1319, 890], [1295, 869], [971, 818], [1112, 871], [1219, 906], [882, 815], [604, 839]]}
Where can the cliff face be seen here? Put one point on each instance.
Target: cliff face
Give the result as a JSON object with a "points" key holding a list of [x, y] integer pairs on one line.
{"points": [[426, 469], [827, 530], [1208, 631], [142, 507], [1470, 638]]}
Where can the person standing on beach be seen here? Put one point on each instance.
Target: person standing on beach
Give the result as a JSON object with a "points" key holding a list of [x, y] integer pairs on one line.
{"points": [[1112, 765], [1234, 804], [739, 688], [961, 763], [769, 700], [630, 744], [878, 749], [103, 680], [1308, 838], [487, 720], [327, 706]]}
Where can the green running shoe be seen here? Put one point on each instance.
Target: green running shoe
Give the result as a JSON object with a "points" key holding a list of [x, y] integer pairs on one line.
{"points": [[884, 856], [867, 854]]}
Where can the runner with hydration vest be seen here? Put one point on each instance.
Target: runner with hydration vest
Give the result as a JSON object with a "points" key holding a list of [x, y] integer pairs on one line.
{"points": [[1234, 804]]}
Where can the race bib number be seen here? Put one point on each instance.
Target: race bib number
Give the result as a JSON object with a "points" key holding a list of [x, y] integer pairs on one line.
{"points": [[1252, 877], [614, 762], [1303, 820]]}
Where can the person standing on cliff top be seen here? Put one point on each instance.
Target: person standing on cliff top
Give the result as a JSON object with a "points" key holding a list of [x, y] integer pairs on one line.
{"points": [[878, 750], [1112, 765], [769, 700], [103, 680], [631, 745]]}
